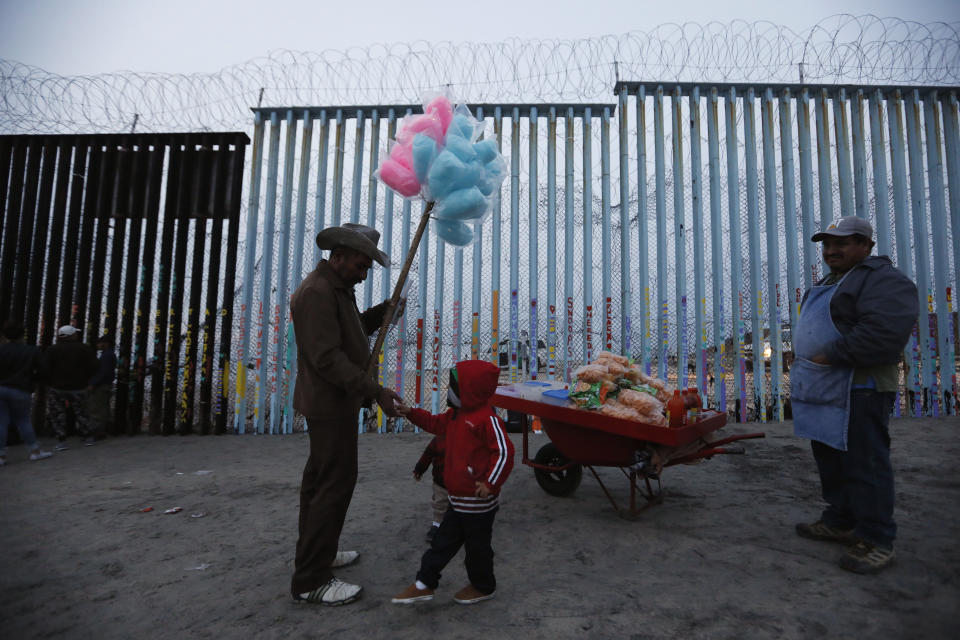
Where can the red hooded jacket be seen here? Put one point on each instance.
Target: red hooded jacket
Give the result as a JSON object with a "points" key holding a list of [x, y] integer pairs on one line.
{"points": [[477, 445]]}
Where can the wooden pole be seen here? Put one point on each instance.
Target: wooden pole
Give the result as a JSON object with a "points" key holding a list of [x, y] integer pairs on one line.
{"points": [[397, 290]]}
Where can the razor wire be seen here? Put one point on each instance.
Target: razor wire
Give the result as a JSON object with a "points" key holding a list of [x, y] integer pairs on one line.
{"points": [[842, 49]]}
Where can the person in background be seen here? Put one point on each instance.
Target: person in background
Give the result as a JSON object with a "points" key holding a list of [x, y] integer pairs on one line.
{"points": [[478, 459], [101, 386], [332, 385], [853, 327], [67, 368], [18, 371], [433, 454]]}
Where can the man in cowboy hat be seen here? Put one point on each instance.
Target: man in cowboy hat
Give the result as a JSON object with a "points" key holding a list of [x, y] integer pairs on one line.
{"points": [[332, 385]]}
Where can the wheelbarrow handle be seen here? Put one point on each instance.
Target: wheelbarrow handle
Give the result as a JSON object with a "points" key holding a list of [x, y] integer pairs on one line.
{"points": [[705, 453], [741, 436]]}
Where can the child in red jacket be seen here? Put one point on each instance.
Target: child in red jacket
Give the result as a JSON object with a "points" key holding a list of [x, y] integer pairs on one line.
{"points": [[477, 461]]}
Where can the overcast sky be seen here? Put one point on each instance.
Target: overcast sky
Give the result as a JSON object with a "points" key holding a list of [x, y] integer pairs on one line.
{"points": [[76, 37]]}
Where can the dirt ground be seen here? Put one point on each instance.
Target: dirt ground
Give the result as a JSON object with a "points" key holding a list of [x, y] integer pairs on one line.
{"points": [[717, 559]]}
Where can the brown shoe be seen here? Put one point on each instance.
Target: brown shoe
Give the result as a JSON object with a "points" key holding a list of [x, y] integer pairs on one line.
{"points": [[411, 594], [820, 530], [471, 595]]}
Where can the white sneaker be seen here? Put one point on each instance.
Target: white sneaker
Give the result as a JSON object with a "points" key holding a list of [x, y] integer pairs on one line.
{"points": [[344, 558], [334, 593], [61, 446], [40, 455]]}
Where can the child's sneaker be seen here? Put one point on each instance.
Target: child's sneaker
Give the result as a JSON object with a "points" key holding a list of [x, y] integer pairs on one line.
{"points": [[40, 455], [471, 595], [412, 594], [61, 446]]}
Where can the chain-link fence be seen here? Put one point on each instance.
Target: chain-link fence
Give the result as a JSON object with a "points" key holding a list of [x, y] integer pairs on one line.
{"points": [[672, 227]]}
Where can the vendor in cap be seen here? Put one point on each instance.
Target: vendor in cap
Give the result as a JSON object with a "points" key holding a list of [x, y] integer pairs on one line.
{"points": [[332, 385], [853, 327]]}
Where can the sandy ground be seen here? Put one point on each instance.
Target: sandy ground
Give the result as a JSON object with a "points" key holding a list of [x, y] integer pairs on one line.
{"points": [[718, 559]]}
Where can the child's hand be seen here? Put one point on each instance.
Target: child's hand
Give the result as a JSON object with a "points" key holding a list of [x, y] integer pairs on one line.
{"points": [[482, 490], [417, 476], [401, 408]]}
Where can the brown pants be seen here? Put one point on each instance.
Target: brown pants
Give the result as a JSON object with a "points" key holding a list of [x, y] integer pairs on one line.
{"points": [[440, 502], [325, 492]]}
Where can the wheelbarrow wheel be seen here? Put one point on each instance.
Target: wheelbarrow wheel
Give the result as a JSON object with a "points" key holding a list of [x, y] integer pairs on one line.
{"points": [[556, 483]]}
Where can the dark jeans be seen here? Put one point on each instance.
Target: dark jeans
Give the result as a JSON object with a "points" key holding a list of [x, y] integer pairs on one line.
{"points": [[857, 484], [15, 410], [325, 492], [473, 531], [98, 407]]}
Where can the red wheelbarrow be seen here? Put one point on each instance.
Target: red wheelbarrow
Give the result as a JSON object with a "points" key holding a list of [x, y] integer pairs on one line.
{"points": [[582, 438]]}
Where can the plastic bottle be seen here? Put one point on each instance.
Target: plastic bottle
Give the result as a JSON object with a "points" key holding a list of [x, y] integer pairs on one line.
{"points": [[688, 402], [693, 403], [676, 410]]}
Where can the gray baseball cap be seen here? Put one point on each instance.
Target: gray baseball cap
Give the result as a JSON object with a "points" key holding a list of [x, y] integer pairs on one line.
{"points": [[851, 225]]}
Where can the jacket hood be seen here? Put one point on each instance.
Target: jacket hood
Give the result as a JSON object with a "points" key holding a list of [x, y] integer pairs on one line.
{"points": [[875, 262], [478, 382]]}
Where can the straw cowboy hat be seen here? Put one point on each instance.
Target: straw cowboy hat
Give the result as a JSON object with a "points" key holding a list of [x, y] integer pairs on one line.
{"points": [[355, 236]]}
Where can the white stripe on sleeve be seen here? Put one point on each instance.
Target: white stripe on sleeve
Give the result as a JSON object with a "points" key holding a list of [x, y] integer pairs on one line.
{"points": [[502, 460]]}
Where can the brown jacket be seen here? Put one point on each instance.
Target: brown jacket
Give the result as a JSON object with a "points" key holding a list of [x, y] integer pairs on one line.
{"points": [[332, 346]]}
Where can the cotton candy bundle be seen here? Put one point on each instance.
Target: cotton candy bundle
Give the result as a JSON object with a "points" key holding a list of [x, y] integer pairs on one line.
{"points": [[436, 156]]}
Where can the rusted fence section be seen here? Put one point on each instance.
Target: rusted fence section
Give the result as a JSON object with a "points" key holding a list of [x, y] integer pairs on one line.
{"points": [[130, 236]]}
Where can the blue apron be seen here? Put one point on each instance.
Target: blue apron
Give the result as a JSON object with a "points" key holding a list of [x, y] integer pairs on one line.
{"points": [[819, 393]]}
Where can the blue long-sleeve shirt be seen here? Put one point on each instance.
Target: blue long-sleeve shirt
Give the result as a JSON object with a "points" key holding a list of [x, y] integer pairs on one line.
{"points": [[106, 368]]}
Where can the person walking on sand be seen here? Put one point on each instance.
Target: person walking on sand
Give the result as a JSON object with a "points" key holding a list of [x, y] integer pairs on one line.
{"points": [[853, 327], [18, 371], [478, 460], [332, 384]]}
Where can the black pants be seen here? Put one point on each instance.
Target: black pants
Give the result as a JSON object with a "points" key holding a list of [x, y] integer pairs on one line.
{"points": [[473, 532], [325, 493], [857, 484]]}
